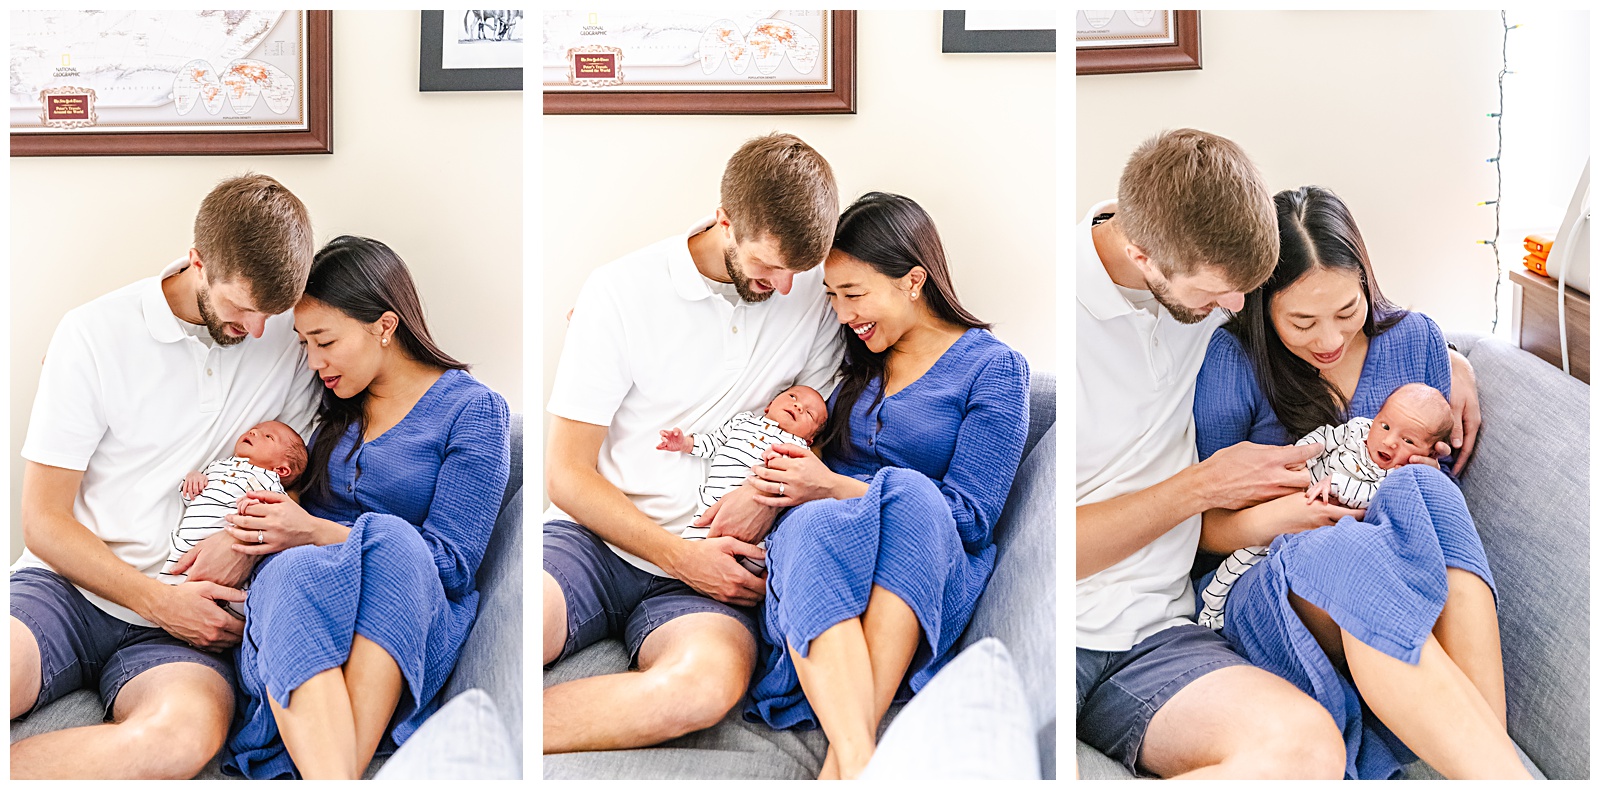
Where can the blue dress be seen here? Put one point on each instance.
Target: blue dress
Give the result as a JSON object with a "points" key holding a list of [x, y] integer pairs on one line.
{"points": [[1382, 579], [939, 456], [421, 501]]}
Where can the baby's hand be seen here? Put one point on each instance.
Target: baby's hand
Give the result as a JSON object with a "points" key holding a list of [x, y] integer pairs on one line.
{"points": [[676, 441], [193, 484], [1320, 490]]}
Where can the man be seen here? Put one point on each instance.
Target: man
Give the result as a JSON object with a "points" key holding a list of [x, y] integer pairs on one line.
{"points": [[683, 333], [139, 387]]}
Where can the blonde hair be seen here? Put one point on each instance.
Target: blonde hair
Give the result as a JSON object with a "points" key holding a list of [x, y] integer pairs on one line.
{"points": [[1190, 198]]}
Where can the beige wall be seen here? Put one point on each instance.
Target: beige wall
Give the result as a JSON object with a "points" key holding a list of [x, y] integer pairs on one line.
{"points": [[436, 176], [1385, 108], [970, 137]]}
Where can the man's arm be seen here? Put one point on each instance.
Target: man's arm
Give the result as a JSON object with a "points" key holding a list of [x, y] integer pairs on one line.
{"points": [[188, 611], [575, 485], [1234, 477]]}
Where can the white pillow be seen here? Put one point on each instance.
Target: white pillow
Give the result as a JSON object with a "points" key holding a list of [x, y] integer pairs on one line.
{"points": [[465, 739]]}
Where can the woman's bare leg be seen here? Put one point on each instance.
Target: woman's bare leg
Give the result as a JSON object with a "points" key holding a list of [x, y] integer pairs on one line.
{"points": [[1435, 710], [837, 680], [891, 630], [374, 683], [1322, 627], [1469, 631], [318, 727]]}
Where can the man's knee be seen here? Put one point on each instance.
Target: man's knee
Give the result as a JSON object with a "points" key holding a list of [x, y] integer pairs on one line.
{"points": [[694, 696], [555, 618], [179, 718], [25, 672], [1299, 739]]}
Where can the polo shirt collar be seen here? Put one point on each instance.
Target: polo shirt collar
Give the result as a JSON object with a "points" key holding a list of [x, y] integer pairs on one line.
{"points": [[687, 280], [1096, 292], [158, 317]]}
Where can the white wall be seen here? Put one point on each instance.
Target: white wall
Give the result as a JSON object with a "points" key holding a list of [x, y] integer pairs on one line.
{"points": [[970, 137], [1387, 109], [435, 176]]}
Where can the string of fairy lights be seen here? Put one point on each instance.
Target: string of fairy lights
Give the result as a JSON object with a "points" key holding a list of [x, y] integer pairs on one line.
{"points": [[1499, 148]]}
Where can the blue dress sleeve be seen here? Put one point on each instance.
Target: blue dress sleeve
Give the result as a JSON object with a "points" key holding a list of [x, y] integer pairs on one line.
{"points": [[988, 448], [1228, 404], [468, 490], [1438, 359]]}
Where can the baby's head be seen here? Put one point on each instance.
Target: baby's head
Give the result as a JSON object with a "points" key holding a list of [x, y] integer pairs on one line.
{"points": [[1411, 422], [275, 446], [800, 410]]}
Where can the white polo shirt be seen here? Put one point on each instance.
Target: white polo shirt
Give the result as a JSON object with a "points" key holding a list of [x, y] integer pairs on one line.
{"points": [[132, 397], [1135, 389], [653, 345]]}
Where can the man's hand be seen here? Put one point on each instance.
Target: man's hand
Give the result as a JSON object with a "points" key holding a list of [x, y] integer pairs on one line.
{"points": [[1248, 474], [676, 441], [193, 484], [214, 560], [1463, 410], [712, 567], [738, 515], [189, 611]]}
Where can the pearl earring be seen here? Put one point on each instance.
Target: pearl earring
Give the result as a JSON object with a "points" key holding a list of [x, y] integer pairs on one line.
{"points": [[386, 341]]}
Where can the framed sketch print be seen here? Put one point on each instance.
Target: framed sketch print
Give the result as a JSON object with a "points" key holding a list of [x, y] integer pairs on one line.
{"points": [[699, 62], [93, 83], [472, 50], [1123, 42], [999, 31]]}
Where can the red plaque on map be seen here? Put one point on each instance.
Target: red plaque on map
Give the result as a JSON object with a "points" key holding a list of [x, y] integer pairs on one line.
{"points": [[594, 66], [68, 108]]}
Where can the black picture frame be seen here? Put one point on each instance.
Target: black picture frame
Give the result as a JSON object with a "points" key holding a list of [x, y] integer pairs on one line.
{"points": [[432, 76], [957, 38]]}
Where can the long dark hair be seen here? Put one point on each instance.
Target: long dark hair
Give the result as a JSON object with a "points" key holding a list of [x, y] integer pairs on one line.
{"points": [[893, 235], [1315, 230], [363, 279]]}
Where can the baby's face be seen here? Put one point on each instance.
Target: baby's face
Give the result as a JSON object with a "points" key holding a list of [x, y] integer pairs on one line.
{"points": [[273, 445], [799, 410], [1398, 433]]}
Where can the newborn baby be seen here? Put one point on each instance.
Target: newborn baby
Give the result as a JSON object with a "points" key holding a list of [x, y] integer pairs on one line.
{"points": [[267, 457], [1355, 458], [794, 417]]}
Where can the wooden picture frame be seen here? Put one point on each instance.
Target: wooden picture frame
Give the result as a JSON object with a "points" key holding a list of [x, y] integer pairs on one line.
{"points": [[957, 38], [841, 99], [432, 76], [316, 139], [1182, 55]]}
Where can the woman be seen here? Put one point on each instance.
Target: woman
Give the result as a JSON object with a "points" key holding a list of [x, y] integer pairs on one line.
{"points": [[875, 572], [1396, 611], [356, 616]]}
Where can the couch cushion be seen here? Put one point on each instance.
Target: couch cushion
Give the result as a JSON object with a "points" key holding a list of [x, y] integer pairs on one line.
{"points": [[1527, 486], [463, 740], [491, 659], [1019, 605]]}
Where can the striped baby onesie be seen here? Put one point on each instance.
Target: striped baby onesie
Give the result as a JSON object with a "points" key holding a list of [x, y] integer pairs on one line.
{"points": [[226, 481], [733, 449], [1355, 480]]}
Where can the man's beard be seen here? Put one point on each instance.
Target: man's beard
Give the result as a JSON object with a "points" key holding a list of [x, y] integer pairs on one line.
{"points": [[741, 283], [1162, 292], [214, 326]]}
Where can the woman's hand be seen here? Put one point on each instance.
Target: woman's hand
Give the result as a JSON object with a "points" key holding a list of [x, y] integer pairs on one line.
{"points": [[1464, 409], [269, 522], [790, 474], [1296, 513]]}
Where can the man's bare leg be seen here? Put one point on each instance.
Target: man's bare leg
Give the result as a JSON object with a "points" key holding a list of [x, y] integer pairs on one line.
{"points": [[692, 671], [1436, 711], [1286, 736], [318, 727], [1469, 631], [555, 618], [837, 679], [167, 723], [374, 683], [25, 672]]}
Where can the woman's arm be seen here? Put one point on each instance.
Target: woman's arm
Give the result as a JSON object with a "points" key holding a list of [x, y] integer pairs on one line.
{"points": [[1227, 531], [468, 490], [988, 448]]}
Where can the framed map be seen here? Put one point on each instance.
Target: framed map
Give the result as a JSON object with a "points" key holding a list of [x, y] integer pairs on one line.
{"points": [[699, 62], [91, 83], [1124, 42]]}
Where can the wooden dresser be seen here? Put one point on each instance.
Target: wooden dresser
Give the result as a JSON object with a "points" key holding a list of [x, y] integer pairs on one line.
{"points": [[1536, 330]]}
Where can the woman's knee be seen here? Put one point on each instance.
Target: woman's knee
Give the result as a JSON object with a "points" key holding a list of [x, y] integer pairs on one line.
{"points": [[395, 542]]}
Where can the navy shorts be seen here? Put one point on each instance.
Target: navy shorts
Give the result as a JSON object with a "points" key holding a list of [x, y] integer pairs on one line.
{"points": [[81, 646], [1119, 692], [607, 596]]}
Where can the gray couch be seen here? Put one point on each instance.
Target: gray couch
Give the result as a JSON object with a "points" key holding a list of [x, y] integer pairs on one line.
{"points": [[491, 659], [1018, 608], [1527, 486]]}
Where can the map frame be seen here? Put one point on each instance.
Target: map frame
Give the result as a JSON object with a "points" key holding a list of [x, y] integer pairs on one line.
{"points": [[317, 138], [1182, 55], [840, 100]]}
